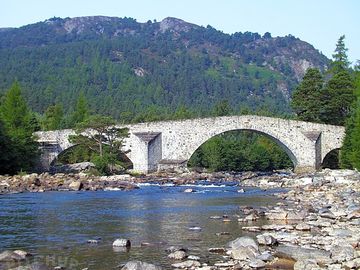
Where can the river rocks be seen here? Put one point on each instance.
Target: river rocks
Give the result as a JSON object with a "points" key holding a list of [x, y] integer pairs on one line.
{"points": [[306, 265], [256, 263], [189, 190], [75, 185], [266, 240], [342, 253], [93, 241], [138, 265], [64, 182], [218, 250], [300, 253], [33, 266], [13, 256], [187, 264], [195, 228], [243, 241], [178, 255], [121, 243]]}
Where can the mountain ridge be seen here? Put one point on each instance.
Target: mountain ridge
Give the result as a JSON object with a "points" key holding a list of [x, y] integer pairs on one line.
{"points": [[181, 59]]}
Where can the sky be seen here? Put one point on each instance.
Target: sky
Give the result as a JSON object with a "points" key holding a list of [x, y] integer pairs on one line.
{"points": [[319, 22]]}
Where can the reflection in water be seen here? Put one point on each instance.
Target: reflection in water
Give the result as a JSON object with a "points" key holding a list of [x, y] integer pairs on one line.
{"points": [[56, 225]]}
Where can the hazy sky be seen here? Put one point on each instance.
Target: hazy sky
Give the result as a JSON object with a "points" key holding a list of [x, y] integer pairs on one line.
{"points": [[319, 22]]}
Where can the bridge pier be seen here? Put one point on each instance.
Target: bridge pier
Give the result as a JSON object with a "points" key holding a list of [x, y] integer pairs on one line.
{"points": [[311, 158], [147, 153]]}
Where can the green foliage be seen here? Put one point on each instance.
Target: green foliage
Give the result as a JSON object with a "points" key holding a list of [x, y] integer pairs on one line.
{"points": [[350, 151], [330, 103], [76, 154], [19, 125], [53, 118], [240, 151], [307, 98], [81, 112], [104, 140], [338, 98], [222, 108], [341, 62]]}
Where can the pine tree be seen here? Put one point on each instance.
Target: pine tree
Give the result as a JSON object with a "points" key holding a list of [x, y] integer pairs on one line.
{"points": [[19, 126], [81, 110], [341, 62], [339, 90], [53, 118], [338, 99], [350, 151], [307, 97]]}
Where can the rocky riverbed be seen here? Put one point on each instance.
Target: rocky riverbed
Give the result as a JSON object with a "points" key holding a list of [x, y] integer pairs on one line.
{"points": [[316, 224]]}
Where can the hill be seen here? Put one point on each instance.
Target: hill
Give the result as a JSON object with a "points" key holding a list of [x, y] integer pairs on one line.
{"points": [[135, 71]]}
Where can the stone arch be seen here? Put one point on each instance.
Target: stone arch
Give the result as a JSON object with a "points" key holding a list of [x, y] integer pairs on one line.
{"points": [[69, 147], [331, 159], [328, 151], [278, 141]]}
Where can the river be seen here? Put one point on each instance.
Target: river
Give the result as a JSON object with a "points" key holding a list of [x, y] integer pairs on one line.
{"points": [[55, 226]]}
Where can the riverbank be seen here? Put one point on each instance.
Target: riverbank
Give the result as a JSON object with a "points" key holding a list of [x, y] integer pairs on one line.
{"points": [[46, 182], [315, 225]]}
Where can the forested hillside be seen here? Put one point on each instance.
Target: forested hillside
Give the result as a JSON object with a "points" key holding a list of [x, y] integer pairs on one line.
{"points": [[145, 71]]}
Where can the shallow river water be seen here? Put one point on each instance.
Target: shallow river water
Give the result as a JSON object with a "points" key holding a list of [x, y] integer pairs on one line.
{"points": [[55, 226]]}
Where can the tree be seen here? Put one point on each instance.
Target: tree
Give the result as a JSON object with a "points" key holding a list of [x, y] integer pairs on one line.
{"points": [[222, 108], [19, 127], [350, 151], [307, 97], [7, 155], [341, 62], [338, 98], [81, 110], [53, 118], [99, 134]]}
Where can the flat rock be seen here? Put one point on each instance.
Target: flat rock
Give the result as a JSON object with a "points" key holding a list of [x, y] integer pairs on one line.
{"points": [[138, 265], [266, 239], [187, 264], [244, 241], [13, 256], [178, 255], [256, 263], [300, 253]]}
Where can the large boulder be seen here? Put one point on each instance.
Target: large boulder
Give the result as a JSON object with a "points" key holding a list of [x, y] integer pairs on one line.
{"points": [[138, 265], [75, 185], [244, 241]]}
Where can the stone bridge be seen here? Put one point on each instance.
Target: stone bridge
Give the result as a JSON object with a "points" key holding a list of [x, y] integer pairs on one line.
{"points": [[171, 143]]}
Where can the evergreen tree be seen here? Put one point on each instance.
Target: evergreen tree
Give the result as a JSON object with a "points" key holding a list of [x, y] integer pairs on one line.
{"points": [[222, 108], [7, 165], [81, 110], [307, 97], [341, 62], [53, 118], [99, 134], [19, 126], [338, 98], [350, 151], [338, 94]]}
